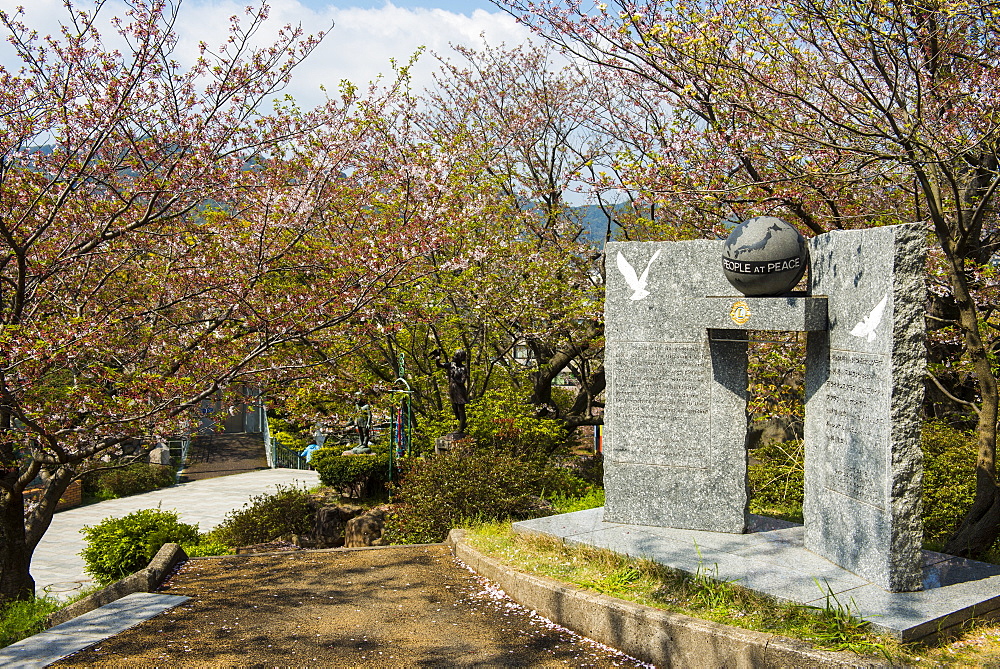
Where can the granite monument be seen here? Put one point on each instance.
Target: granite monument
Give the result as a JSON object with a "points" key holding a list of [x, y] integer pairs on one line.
{"points": [[676, 364]]}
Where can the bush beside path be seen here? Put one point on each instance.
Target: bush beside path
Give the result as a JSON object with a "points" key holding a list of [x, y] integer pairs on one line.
{"points": [[57, 566]]}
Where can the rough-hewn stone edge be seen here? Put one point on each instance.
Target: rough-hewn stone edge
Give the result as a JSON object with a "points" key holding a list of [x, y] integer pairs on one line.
{"points": [[144, 580], [661, 638]]}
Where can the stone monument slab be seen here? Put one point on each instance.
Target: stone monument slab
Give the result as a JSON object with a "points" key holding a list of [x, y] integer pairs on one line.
{"points": [[864, 386], [676, 366], [790, 314], [675, 400]]}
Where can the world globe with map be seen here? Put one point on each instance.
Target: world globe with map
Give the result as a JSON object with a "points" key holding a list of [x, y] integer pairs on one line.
{"points": [[764, 256]]}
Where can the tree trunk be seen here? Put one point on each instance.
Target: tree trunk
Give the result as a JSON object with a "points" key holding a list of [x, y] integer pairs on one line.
{"points": [[16, 582], [20, 532], [981, 526], [37, 521]]}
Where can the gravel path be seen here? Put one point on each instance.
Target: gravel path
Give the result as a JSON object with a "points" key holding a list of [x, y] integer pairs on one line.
{"points": [[393, 606]]}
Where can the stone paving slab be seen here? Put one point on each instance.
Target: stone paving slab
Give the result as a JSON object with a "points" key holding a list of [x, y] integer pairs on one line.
{"points": [[774, 561], [85, 630], [57, 566]]}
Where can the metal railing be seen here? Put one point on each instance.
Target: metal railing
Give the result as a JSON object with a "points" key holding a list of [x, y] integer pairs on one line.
{"points": [[286, 458], [179, 448], [279, 456]]}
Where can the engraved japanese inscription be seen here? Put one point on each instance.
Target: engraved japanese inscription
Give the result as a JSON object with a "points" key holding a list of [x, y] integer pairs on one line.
{"points": [[661, 395], [856, 429]]}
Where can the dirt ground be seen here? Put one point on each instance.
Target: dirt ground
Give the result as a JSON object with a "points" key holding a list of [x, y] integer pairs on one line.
{"points": [[393, 606]]}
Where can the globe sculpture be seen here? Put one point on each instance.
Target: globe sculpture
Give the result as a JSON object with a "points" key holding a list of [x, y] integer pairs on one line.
{"points": [[764, 256]]}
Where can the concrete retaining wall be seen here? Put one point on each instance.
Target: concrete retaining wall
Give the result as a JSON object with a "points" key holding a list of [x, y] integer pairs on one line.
{"points": [[651, 635], [144, 580]]}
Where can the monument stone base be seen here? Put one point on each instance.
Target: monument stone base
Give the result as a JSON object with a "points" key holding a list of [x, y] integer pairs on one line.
{"points": [[453, 441], [771, 558]]}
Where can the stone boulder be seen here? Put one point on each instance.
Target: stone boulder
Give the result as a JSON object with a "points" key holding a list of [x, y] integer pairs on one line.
{"points": [[773, 430], [365, 530], [160, 456], [331, 523], [454, 442]]}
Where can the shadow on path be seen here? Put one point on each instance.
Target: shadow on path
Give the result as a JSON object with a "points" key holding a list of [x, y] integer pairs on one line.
{"points": [[405, 606], [214, 455]]}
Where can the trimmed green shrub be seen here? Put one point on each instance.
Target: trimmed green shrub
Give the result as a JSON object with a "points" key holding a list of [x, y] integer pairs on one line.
{"points": [[353, 475], [949, 478], [134, 479], [117, 547], [436, 494], [206, 547], [265, 517]]}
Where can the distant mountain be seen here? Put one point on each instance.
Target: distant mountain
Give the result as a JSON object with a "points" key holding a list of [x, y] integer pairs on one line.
{"points": [[595, 221]]}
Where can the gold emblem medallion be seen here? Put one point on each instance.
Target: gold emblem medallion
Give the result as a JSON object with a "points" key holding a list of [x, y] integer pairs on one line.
{"points": [[740, 312]]}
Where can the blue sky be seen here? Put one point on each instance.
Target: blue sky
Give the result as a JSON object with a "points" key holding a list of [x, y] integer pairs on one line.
{"points": [[366, 35], [456, 6]]}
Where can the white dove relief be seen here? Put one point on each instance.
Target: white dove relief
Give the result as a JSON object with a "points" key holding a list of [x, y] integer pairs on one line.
{"points": [[636, 283], [867, 326]]}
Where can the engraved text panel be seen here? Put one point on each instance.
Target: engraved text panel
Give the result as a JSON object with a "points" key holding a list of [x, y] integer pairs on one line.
{"points": [[658, 410]]}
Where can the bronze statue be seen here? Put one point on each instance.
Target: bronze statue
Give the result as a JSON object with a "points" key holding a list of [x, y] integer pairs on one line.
{"points": [[458, 385]]}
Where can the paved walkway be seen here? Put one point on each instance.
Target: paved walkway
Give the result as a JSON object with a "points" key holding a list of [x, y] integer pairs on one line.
{"points": [[57, 566]]}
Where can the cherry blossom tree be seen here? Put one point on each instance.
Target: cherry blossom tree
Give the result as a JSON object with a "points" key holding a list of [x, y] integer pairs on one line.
{"points": [[165, 241], [521, 112], [837, 115], [516, 271]]}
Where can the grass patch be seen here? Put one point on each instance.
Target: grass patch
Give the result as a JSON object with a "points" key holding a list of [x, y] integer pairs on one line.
{"points": [[700, 595], [775, 476], [19, 620], [592, 499], [978, 645]]}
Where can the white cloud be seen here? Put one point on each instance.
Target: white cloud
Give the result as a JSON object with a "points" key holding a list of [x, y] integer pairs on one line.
{"points": [[358, 47]]}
